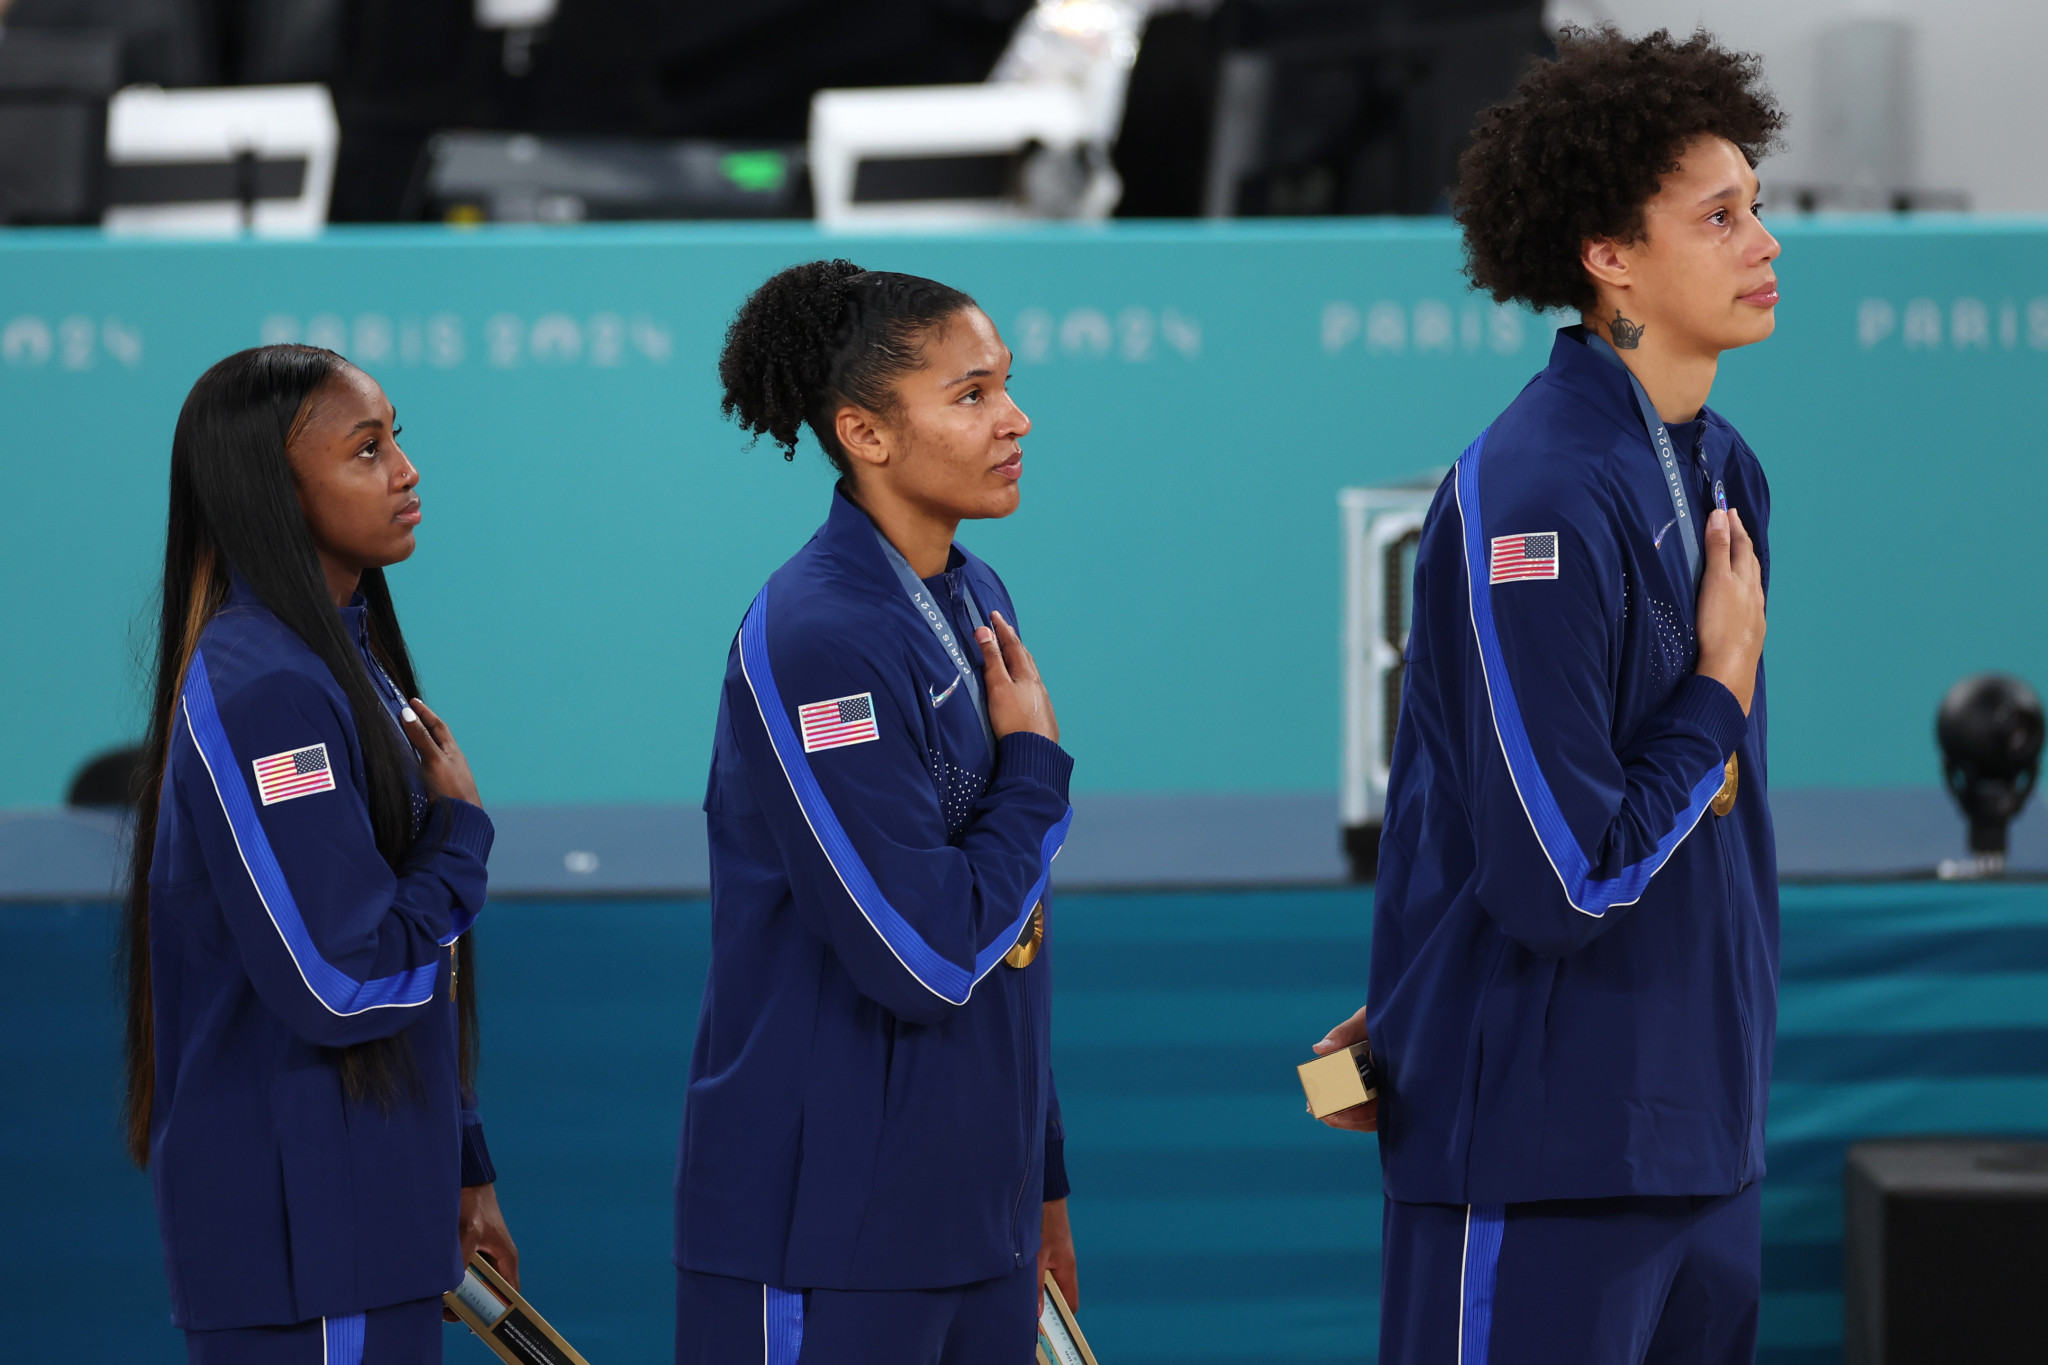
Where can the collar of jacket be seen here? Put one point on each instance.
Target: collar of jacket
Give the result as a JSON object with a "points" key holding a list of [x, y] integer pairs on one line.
{"points": [[355, 616], [1585, 371], [1581, 369], [850, 536]]}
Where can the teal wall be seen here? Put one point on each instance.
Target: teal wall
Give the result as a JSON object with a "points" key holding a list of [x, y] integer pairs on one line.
{"points": [[594, 531]]}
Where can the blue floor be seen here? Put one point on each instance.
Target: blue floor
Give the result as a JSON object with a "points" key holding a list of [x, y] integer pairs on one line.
{"points": [[1215, 1221]]}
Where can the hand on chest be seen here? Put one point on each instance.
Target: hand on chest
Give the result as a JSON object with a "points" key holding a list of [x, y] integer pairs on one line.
{"points": [[956, 751]]}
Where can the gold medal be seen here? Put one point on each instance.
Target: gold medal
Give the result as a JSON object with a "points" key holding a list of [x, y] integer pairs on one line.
{"points": [[1030, 941], [1724, 799]]}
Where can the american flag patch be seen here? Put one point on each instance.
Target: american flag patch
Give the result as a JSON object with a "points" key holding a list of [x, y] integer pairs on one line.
{"points": [[839, 722], [295, 772], [1519, 557]]}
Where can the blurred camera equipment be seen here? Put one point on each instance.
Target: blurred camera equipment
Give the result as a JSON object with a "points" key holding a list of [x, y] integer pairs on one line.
{"points": [[53, 116], [521, 178], [1990, 729], [522, 22]]}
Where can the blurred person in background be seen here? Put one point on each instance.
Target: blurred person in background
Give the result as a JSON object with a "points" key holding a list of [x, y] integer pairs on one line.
{"points": [[309, 857], [1574, 956], [871, 1164]]}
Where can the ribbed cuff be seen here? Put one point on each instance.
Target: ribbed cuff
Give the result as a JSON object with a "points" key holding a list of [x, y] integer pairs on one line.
{"points": [[476, 1153], [1024, 754], [467, 828], [1056, 1186], [1707, 704]]}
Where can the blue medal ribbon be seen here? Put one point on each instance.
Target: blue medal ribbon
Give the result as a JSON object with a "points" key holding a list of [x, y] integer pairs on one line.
{"points": [[934, 615], [1660, 439], [1724, 799]]}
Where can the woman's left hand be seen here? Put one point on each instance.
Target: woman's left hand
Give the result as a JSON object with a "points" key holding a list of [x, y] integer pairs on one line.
{"points": [[482, 1228], [442, 765], [1056, 1255]]}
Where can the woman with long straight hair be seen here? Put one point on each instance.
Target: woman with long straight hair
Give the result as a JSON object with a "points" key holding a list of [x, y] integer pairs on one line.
{"points": [[871, 1168], [309, 855]]}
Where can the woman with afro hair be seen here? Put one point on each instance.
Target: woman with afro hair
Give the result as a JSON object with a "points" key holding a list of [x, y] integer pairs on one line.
{"points": [[870, 1164], [1573, 988]]}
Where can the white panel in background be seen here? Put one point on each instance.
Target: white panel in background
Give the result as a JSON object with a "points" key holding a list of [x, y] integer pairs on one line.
{"points": [[275, 122], [852, 126]]}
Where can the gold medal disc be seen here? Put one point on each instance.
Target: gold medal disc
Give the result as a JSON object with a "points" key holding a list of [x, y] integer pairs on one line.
{"points": [[1029, 942], [1724, 799]]}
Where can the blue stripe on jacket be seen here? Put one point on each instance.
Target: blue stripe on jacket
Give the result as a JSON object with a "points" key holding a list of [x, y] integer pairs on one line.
{"points": [[334, 988], [941, 976], [1560, 845]]}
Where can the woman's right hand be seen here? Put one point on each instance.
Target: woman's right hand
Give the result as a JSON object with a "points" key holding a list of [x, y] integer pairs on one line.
{"points": [[1731, 607], [1359, 1118], [442, 765], [1017, 699]]}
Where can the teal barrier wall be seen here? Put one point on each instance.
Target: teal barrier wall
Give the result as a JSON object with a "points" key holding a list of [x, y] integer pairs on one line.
{"points": [[1215, 1222], [594, 531]]}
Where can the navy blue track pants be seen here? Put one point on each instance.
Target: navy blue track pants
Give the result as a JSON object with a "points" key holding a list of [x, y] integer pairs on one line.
{"points": [[1635, 1281], [402, 1334], [720, 1320]]}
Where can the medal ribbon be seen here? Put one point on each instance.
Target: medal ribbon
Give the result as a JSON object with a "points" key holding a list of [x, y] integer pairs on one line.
{"points": [[1674, 481], [1660, 440], [934, 615]]}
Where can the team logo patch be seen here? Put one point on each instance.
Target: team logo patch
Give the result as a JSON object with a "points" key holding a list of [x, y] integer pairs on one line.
{"points": [[1527, 556], [837, 723], [295, 772]]}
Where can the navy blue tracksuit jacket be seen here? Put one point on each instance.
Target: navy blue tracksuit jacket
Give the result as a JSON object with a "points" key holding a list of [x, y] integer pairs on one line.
{"points": [[871, 1103], [278, 934], [1574, 964]]}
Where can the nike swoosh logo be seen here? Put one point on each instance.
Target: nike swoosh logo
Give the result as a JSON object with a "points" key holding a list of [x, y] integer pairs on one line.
{"points": [[938, 697], [1658, 540]]}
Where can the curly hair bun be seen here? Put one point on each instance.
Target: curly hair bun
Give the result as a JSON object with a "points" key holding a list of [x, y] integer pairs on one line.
{"points": [[1581, 148], [825, 333], [780, 347]]}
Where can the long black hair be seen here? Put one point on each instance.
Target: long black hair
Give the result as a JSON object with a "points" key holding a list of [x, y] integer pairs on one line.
{"points": [[821, 334], [234, 508]]}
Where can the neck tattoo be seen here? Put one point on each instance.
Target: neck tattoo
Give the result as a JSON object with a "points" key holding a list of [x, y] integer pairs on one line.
{"points": [[1627, 335]]}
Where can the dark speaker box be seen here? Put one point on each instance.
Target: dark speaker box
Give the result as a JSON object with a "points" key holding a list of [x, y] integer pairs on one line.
{"points": [[1945, 1244]]}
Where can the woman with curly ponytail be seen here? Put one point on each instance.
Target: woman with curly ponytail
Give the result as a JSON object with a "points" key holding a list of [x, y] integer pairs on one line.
{"points": [[871, 1164]]}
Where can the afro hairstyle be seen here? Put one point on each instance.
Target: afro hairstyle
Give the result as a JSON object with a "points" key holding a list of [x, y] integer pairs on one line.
{"points": [[1580, 149]]}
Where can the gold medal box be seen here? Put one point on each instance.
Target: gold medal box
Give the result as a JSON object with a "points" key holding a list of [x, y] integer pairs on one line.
{"points": [[1059, 1337], [506, 1322]]}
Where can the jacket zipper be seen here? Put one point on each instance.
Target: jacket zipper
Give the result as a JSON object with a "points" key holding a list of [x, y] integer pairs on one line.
{"points": [[1030, 1079], [1741, 1008]]}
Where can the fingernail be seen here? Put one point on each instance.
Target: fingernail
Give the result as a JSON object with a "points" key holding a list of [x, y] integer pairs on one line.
{"points": [[984, 635], [407, 713]]}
